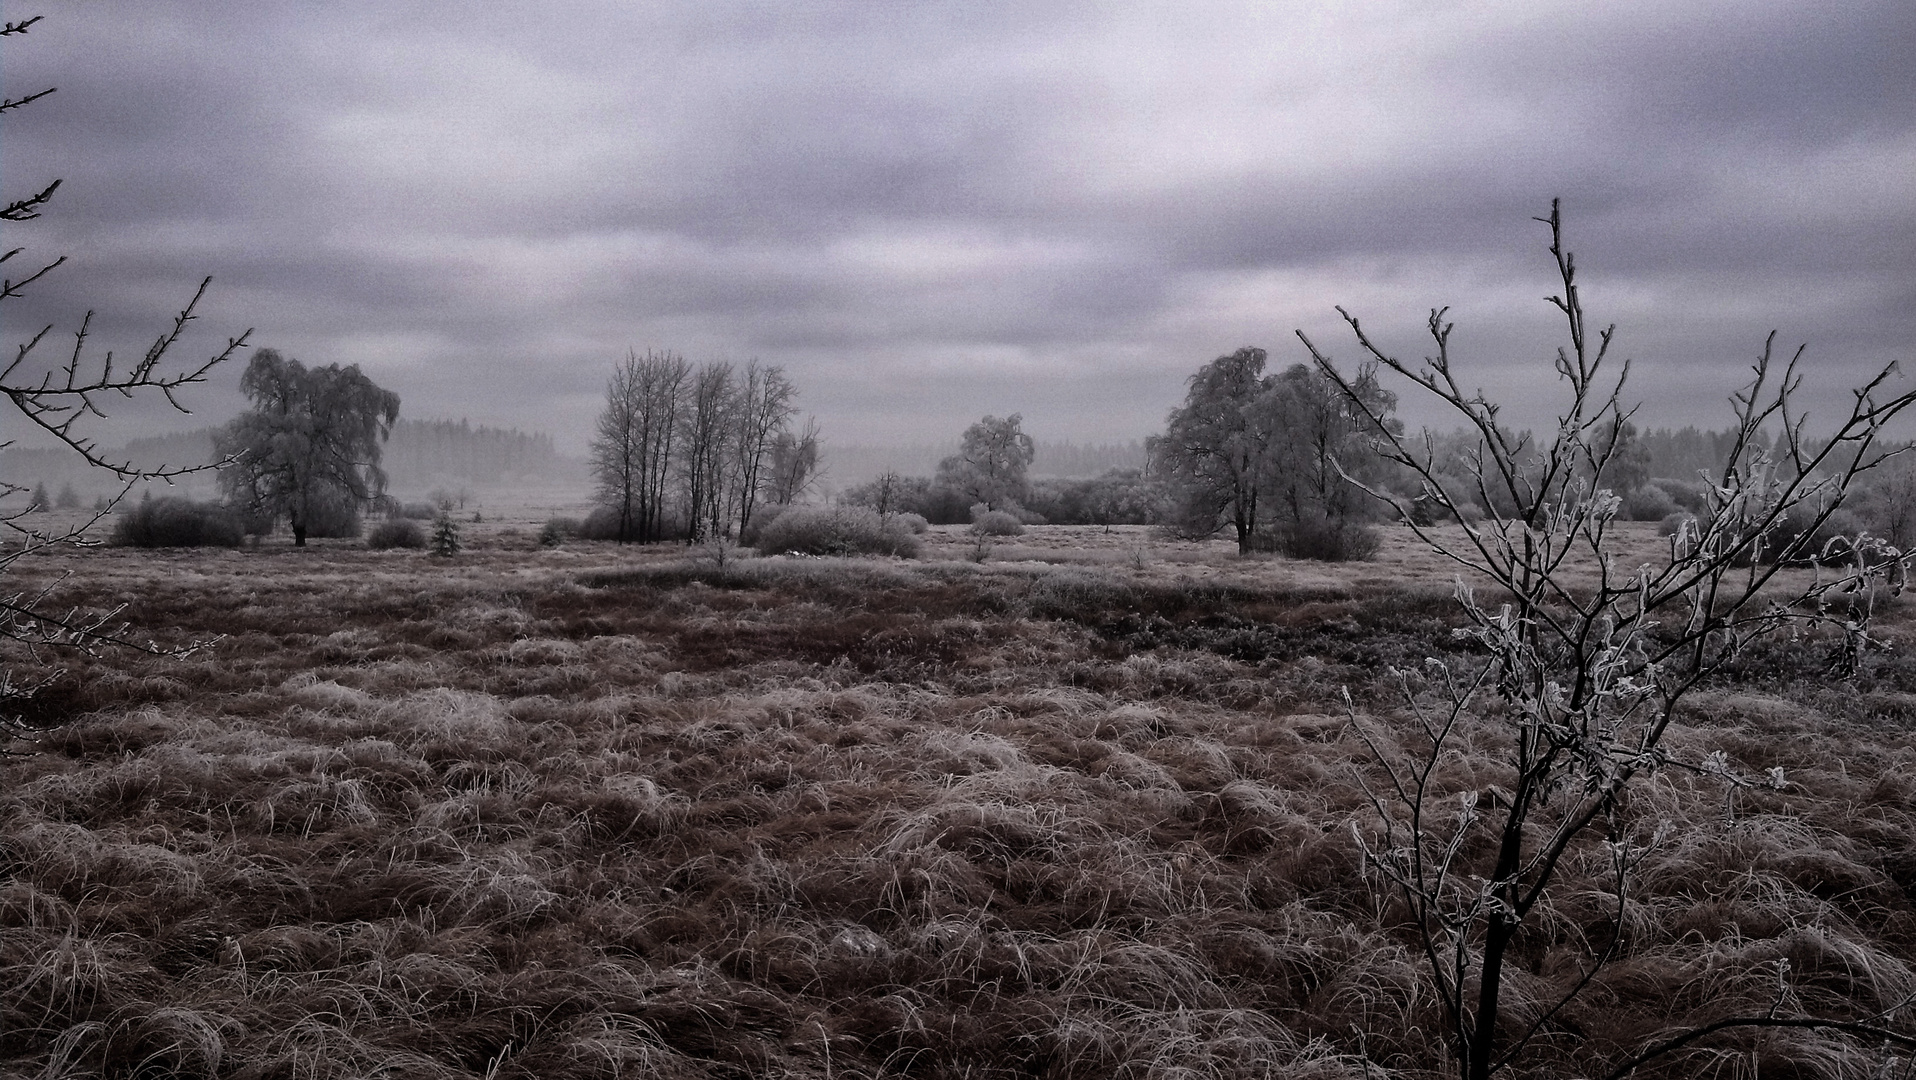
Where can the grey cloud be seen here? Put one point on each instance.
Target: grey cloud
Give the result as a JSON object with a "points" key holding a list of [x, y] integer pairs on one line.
{"points": [[930, 211]]}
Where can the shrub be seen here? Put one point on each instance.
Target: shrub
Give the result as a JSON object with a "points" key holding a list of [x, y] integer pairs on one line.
{"points": [[558, 530], [397, 533], [762, 518], [417, 511], [174, 522], [1672, 522], [1687, 494], [1799, 540], [1648, 503], [603, 524], [912, 523], [1427, 511], [837, 530], [997, 523], [1328, 539]]}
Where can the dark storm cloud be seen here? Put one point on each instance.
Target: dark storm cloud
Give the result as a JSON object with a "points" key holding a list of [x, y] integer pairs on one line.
{"points": [[931, 211]]}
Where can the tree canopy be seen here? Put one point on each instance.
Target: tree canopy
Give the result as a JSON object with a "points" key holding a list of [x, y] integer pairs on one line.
{"points": [[991, 467], [311, 441], [1268, 455]]}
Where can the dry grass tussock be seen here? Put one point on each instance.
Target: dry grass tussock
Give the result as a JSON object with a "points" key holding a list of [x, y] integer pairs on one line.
{"points": [[1087, 812]]}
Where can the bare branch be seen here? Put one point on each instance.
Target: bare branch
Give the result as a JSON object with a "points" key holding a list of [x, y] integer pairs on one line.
{"points": [[1589, 677], [1864, 1028], [54, 401]]}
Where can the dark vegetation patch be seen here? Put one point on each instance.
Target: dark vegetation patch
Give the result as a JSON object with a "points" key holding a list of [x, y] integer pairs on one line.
{"points": [[175, 522], [1237, 621]]}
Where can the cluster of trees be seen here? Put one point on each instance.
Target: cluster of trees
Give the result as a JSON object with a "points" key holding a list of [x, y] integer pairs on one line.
{"points": [[694, 452], [991, 472], [1295, 462], [308, 453], [856, 463], [1117, 497], [1270, 456], [41, 499]]}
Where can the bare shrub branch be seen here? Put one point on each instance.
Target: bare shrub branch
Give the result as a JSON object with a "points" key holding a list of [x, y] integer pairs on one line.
{"points": [[1589, 660], [55, 400]]}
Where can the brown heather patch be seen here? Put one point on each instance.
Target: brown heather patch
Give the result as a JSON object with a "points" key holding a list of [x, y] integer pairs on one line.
{"points": [[1084, 810]]}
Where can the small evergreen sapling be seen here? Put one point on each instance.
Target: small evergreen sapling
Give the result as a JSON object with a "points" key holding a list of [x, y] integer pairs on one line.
{"points": [[445, 536]]}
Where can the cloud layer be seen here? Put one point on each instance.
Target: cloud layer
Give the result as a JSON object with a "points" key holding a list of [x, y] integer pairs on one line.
{"points": [[926, 212]]}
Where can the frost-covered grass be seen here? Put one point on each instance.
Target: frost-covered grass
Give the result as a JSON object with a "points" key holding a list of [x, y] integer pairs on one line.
{"points": [[1085, 810]]}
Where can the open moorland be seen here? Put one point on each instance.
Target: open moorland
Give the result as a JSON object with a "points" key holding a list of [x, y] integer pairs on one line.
{"points": [[1087, 808]]}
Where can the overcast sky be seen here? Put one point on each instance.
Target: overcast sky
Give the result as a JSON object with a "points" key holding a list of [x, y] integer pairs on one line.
{"points": [[930, 211]]}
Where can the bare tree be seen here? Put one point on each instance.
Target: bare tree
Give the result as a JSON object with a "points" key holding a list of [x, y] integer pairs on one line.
{"points": [[794, 464], [763, 412], [632, 453], [616, 449], [1586, 675], [885, 492], [1890, 502], [706, 418], [55, 399]]}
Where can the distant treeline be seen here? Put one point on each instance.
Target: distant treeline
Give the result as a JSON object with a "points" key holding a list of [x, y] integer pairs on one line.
{"points": [[420, 454], [1073, 461], [177, 450], [426, 452], [1684, 453], [850, 466]]}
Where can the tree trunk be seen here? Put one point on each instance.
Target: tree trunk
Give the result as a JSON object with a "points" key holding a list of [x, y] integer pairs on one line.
{"points": [[1490, 991]]}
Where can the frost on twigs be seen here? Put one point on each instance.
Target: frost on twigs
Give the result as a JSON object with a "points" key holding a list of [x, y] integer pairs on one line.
{"points": [[1585, 661], [54, 398]]}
